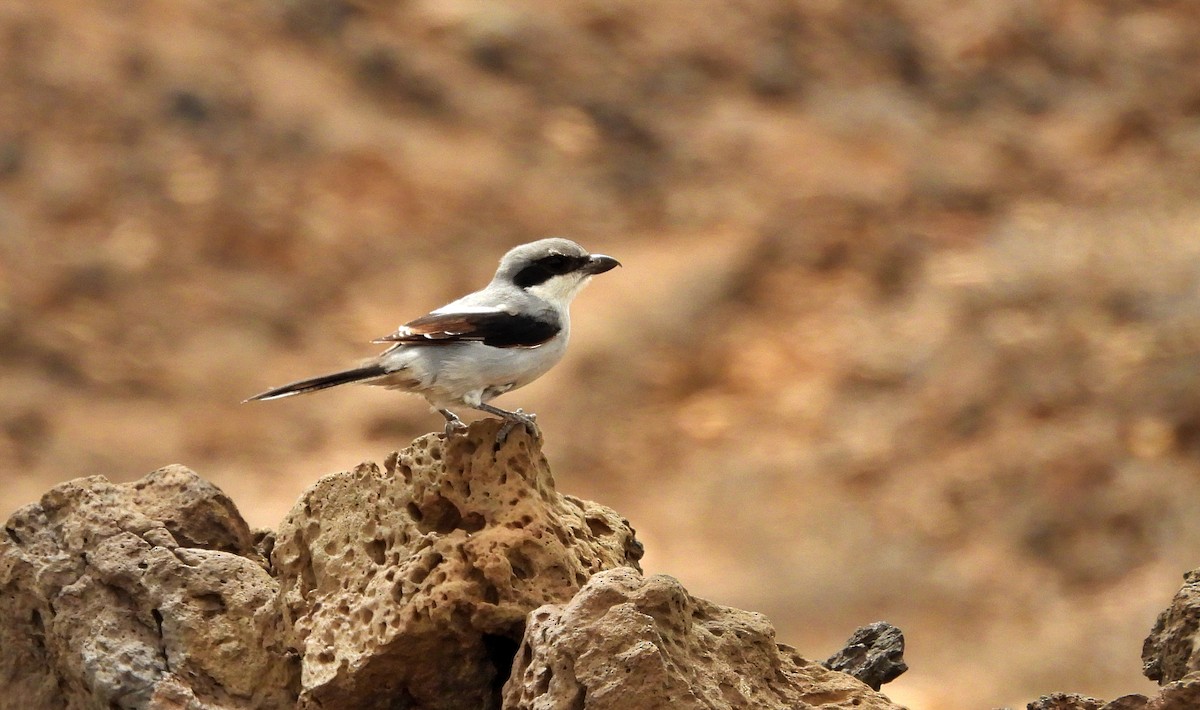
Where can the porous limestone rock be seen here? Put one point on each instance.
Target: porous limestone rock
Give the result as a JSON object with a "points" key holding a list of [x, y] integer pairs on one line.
{"points": [[626, 641], [408, 586], [1183, 694], [1172, 650], [147, 594], [1170, 656], [1065, 701]]}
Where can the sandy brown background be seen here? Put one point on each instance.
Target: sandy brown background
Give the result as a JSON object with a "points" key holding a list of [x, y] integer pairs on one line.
{"points": [[908, 327]]}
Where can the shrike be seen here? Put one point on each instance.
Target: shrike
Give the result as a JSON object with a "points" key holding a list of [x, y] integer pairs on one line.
{"points": [[475, 349]]}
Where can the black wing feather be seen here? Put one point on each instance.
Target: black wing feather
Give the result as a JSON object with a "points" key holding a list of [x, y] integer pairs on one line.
{"points": [[499, 329]]}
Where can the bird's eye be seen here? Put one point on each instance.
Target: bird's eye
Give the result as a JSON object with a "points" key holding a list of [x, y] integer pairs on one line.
{"points": [[546, 268]]}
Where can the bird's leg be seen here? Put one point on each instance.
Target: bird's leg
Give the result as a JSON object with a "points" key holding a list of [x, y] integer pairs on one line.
{"points": [[511, 420], [453, 423]]}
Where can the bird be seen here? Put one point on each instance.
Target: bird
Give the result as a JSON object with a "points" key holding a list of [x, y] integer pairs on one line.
{"points": [[480, 346]]}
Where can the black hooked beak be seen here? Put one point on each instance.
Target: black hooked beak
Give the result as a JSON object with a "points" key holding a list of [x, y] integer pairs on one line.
{"points": [[599, 263]]}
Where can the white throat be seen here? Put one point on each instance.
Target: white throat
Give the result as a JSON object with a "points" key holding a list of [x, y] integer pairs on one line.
{"points": [[560, 290]]}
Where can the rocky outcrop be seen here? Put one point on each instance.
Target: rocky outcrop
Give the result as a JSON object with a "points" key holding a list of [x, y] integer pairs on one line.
{"points": [[413, 581], [148, 594], [403, 586], [627, 641], [1172, 650], [1183, 695], [874, 654], [1170, 656]]}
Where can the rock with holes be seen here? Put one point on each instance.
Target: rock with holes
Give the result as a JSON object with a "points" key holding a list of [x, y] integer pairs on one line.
{"points": [[408, 586], [1169, 656], [631, 642], [1172, 650], [1183, 694], [148, 594]]}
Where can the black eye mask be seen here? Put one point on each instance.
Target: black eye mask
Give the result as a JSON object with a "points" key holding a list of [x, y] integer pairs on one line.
{"points": [[548, 267]]}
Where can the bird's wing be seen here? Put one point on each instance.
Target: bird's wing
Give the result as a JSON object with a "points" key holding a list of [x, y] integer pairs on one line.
{"points": [[497, 327]]}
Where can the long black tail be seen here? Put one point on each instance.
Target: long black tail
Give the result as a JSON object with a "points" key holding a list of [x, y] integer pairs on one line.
{"points": [[366, 372]]}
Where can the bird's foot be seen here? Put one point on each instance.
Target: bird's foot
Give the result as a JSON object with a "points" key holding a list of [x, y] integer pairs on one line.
{"points": [[516, 418], [454, 425]]}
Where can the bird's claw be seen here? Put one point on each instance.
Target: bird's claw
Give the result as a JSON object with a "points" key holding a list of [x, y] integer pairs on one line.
{"points": [[519, 418], [454, 425]]}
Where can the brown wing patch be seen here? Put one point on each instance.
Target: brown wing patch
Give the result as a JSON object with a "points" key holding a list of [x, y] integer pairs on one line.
{"points": [[445, 325]]}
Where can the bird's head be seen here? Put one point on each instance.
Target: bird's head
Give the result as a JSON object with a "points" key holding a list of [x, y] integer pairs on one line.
{"points": [[552, 269]]}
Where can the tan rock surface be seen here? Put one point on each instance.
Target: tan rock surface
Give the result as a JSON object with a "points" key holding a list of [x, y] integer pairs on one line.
{"points": [[403, 586], [1169, 656], [1170, 651], [631, 642], [1183, 694], [148, 594], [413, 581]]}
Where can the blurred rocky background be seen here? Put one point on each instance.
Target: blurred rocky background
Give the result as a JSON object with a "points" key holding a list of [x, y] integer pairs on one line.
{"points": [[908, 329]]}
